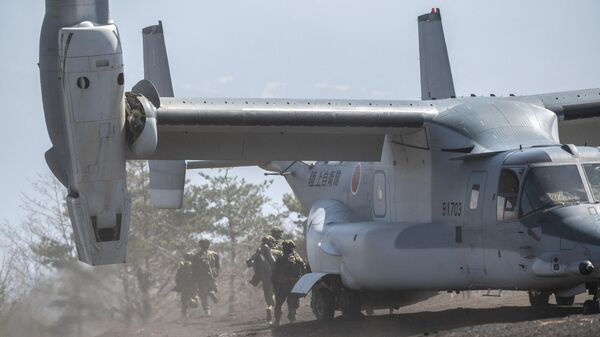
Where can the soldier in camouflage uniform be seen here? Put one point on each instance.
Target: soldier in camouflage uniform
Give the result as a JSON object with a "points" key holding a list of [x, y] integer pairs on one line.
{"points": [[263, 261], [276, 234], [287, 271], [185, 284], [207, 266]]}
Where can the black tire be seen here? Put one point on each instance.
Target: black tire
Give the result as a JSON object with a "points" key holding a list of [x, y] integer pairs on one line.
{"points": [[590, 307], [323, 304], [538, 298], [351, 307], [567, 301]]}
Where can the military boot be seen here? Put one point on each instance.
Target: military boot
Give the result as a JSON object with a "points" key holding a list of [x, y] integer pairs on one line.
{"points": [[213, 297], [184, 311], [269, 315], [292, 315], [277, 317]]}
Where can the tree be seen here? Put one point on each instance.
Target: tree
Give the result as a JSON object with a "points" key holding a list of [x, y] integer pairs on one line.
{"points": [[44, 264], [235, 208], [44, 249], [43, 258], [297, 214], [6, 281], [158, 239]]}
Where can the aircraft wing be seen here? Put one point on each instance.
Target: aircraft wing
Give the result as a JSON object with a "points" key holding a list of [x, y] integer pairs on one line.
{"points": [[260, 130], [578, 114]]}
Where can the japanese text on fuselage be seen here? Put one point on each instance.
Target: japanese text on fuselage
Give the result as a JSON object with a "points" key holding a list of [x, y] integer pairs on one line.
{"points": [[324, 178]]}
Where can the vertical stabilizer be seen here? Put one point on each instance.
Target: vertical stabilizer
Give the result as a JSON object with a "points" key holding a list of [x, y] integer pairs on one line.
{"points": [[167, 177], [436, 76], [156, 61]]}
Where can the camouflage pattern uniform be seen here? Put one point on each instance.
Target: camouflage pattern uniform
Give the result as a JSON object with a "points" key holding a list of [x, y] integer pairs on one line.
{"points": [[206, 269], [276, 234], [263, 261], [185, 285], [287, 271]]}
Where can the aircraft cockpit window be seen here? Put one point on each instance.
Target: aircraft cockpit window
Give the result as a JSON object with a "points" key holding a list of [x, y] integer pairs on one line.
{"points": [[592, 171], [508, 190], [550, 186]]}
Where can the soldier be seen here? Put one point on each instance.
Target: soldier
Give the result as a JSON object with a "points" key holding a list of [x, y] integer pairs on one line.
{"points": [[262, 262], [206, 269], [185, 285], [276, 234], [287, 271]]}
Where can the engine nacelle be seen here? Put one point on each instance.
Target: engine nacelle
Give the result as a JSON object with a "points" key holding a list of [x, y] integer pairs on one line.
{"points": [[91, 75]]}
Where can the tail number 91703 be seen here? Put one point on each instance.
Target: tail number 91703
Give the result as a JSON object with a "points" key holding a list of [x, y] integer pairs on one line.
{"points": [[451, 208]]}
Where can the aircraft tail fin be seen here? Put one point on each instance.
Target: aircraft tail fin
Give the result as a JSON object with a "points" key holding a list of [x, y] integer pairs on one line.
{"points": [[167, 177], [156, 61], [436, 76]]}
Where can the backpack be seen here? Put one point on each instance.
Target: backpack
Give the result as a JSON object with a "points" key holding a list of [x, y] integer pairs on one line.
{"points": [[185, 275]]}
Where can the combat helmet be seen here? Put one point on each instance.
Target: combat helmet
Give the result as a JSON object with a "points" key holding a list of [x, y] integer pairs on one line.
{"points": [[204, 243], [276, 232], [289, 244], [267, 240]]}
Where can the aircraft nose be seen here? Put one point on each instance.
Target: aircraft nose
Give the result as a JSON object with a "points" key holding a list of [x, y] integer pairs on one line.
{"points": [[579, 223]]}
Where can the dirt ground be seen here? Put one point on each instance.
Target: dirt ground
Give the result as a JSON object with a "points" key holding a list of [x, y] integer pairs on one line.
{"points": [[466, 314]]}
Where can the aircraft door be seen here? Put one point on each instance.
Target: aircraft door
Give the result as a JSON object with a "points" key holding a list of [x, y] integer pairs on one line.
{"points": [[473, 224]]}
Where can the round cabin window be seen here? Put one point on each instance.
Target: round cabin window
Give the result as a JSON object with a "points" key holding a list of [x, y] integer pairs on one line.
{"points": [[83, 82]]}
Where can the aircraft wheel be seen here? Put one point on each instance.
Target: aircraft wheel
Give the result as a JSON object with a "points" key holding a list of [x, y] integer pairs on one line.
{"points": [[590, 307], [323, 304], [564, 300], [351, 307], [538, 298]]}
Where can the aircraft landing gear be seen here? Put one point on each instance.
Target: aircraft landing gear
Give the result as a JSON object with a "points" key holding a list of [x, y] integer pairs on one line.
{"points": [[350, 303], [322, 304], [330, 295], [566, 301], [538, 298], [591, 307]]}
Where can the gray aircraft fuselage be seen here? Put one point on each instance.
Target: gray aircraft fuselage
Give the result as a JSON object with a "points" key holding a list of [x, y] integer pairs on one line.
{"points": [[428, 217]]}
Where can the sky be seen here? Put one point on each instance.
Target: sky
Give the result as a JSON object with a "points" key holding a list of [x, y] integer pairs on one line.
{"points": [[303, 49]]}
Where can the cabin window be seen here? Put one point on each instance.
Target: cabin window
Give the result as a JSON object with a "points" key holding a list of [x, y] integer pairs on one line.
{"points": [[474, 196], [551, 186], [592, 171], [379, 203], [508, 190], [83, 82]]}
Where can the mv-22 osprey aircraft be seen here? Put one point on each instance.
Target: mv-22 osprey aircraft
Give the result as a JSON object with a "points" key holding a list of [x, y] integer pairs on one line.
{"points": [[406, 199]]}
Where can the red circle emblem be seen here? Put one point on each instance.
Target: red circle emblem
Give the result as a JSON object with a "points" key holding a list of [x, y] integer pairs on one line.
{"points": [[355, 182]]}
